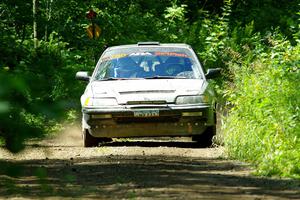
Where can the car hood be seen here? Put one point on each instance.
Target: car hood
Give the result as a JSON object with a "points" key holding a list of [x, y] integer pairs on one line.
{"points": [[166, 90]]}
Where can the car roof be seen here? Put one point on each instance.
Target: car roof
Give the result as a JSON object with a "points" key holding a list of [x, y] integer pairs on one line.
{"points": [[150, 44]]}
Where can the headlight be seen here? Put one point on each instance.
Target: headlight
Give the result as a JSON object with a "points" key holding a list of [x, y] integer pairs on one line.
{"points": [[191, 99], [100, 102]]}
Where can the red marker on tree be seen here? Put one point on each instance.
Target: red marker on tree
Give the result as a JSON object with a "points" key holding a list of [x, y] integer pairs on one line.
{"points": [[93, 30], [91, 14]]}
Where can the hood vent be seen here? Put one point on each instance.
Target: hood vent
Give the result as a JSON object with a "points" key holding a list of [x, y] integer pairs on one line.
{"points": [[145, 102], [146, 92]]}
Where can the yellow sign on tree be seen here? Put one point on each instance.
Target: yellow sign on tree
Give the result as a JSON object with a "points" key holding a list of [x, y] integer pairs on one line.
{"points": [[93, 31]]}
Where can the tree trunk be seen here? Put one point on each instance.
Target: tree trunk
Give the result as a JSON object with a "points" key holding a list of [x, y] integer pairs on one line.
{"points": [[34, 11], [48, 15]]}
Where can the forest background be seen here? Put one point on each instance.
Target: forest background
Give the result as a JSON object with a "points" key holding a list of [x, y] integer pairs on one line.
{"points": [[255, 42]]}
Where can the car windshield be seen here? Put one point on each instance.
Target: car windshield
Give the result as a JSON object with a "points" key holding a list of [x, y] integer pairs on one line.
{"points": [[147, 63]]}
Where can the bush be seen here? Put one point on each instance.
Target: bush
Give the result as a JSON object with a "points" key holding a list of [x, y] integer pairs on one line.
{"points": [[263, 126], [39, 89]]}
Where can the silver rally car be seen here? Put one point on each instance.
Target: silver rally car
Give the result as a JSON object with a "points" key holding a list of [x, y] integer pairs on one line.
{"points": [[148, 89]]}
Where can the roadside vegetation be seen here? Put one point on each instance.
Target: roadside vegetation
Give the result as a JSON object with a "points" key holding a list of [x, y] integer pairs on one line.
{"points": [[256, 43], [263, 125]]}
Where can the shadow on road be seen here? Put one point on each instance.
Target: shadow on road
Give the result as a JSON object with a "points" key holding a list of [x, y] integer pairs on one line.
{"points": [[129, 177], [153, 143], [179, 143]]}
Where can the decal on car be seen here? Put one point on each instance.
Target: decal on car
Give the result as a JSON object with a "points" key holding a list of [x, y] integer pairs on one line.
{"points": [[171, 54], [122, 55], [141, 54], [115, 56]]}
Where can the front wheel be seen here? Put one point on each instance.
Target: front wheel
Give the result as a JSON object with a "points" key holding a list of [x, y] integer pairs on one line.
{"points": [[89, 140], [206, 138]]}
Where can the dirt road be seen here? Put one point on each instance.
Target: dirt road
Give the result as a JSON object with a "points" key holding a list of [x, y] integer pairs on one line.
{"points": [[59, 168]]}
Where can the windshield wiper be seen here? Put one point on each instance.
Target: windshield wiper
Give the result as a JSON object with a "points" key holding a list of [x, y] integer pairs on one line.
{"points": [[116, 79], [166, 77], [111, 79]]}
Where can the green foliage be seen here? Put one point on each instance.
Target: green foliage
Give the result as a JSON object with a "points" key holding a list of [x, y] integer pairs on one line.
{"points": [[264, 124], [216, 39], [267, 14], [176, 21], [24, 98], [35, 89]]}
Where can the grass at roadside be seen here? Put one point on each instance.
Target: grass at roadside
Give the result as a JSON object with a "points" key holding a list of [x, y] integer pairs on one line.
{"points": [[263, 127]]}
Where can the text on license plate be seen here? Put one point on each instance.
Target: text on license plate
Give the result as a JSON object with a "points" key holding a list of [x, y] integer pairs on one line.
{"points": [[146, 113]]}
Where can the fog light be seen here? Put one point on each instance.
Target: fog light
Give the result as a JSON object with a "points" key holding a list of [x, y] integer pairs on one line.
{"points": [[101, 116], [191, 114]]}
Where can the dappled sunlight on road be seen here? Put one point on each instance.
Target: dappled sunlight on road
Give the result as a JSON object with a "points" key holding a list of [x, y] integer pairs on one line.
{"points": [[142, 168]]}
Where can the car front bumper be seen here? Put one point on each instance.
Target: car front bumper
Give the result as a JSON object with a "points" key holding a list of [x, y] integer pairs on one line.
{"points": [[172, 120]]}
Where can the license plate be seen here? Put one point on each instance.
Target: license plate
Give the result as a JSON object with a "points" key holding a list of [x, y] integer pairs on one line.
{"points": [[146, 113]]}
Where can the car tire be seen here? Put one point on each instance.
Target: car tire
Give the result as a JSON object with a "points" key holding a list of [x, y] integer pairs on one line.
{"points": [[89, 140], [206, 138]]}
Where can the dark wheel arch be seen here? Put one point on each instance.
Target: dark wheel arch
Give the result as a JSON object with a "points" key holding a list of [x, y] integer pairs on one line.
{"points": [[206, 138], [89, 140]]}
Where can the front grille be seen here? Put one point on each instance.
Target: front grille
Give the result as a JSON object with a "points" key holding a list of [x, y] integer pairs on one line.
{"points": [[147, 120], [164, 116], [146, 102]]}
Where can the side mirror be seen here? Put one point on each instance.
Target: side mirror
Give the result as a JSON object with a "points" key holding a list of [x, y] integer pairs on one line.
{"points": [[213, 73], [83, 76]]}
